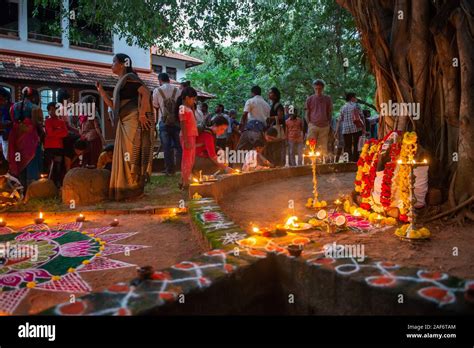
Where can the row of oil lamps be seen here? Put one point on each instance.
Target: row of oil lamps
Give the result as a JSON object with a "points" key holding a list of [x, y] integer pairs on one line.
{"points": [[81, 218]]}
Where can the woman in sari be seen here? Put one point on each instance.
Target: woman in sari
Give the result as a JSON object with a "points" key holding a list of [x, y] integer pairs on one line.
{"points": [[25, 149], [134, 138]]}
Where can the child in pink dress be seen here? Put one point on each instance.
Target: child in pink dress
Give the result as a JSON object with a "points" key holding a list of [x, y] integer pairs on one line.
{"points": [[188, 134]]}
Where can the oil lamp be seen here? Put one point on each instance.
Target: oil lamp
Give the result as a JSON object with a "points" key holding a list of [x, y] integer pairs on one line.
{"points": [[39, 219]]}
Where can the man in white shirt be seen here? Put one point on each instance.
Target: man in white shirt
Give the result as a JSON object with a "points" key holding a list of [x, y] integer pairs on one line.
{"points": [[256, 108], [167, 129], [254, 119]]}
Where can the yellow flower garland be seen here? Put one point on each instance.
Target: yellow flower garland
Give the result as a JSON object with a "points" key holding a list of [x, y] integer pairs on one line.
{"points": [[402, 180]]}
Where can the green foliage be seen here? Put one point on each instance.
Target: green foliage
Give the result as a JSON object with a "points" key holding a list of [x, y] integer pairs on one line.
{"points": [[283, 43], [229, 80], [297, 42]]}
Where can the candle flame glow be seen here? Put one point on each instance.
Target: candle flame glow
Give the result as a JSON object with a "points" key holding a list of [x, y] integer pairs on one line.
{"points": [[291, 222], [40, 215], [255, 229]]}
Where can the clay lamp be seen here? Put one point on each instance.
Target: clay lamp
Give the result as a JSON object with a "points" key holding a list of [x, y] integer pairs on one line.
{"points": [[292, 225], [114, 223], [338, 204], [264, 232], [81, 218], [295, 249], [39, 219], [3, 223], [379, 220]]}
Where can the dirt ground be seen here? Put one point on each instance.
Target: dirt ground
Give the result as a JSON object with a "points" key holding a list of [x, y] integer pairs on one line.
{"points": [[160, 191], [169, 243], [267, 204]]}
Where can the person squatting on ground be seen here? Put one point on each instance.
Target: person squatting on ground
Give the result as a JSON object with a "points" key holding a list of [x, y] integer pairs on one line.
{"points": [[207, 162]]}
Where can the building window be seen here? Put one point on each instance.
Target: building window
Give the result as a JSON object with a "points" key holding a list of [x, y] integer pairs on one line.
{"points": [[9, 18], [47, 95], [44, 23], [84, 34], [157, 68], [171, 72]]}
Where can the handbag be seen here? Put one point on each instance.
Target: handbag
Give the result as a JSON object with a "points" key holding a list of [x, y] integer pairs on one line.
{"points": [[356, 119]]}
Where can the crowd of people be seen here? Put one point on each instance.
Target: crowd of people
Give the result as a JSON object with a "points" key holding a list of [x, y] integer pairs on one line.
{"points": [[35, 145], [191, 138], [273, 134]]}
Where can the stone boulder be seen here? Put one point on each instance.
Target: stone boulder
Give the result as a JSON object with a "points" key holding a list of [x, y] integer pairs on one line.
{"points": [[41, 189], [85, 186]]}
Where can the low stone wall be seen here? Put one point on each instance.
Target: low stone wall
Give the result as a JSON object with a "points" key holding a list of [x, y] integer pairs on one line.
{"points": [[232, 183]]}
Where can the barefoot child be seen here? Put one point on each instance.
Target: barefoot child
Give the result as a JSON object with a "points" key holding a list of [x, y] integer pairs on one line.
{"points": [[294, 136], [188, 135]]}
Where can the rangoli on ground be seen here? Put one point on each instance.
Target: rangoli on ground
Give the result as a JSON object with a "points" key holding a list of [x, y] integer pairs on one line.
{"points": [[53, 258]]}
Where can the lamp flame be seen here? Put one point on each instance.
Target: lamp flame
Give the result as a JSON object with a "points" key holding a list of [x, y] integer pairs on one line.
{"points": [[291, 222]]}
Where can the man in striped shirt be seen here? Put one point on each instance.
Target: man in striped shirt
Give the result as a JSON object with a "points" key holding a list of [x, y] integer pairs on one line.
{"points": [[350, 131]]}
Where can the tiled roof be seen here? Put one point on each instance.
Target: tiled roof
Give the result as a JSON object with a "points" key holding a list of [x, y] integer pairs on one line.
{"points": [[190, 61], [44, 69]]}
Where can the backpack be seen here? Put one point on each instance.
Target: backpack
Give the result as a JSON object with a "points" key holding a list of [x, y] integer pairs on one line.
{"points": [[169, 107]]}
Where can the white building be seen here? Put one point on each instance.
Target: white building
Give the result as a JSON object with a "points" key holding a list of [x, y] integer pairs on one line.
{"points": [[48, 52], [173, 63]]}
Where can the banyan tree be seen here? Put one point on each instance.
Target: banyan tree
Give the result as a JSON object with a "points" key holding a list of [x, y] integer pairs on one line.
{"points": [[422, 51]]}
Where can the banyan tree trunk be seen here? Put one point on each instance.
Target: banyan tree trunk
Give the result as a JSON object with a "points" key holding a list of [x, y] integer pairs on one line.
{"points": [[422, 51]]}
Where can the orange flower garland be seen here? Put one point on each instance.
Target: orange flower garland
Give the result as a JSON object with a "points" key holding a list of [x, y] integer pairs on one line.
{"points": [[407, 154]]}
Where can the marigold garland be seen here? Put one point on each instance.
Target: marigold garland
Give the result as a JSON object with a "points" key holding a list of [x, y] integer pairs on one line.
{"points": [[407, 154], [403, 149]]}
